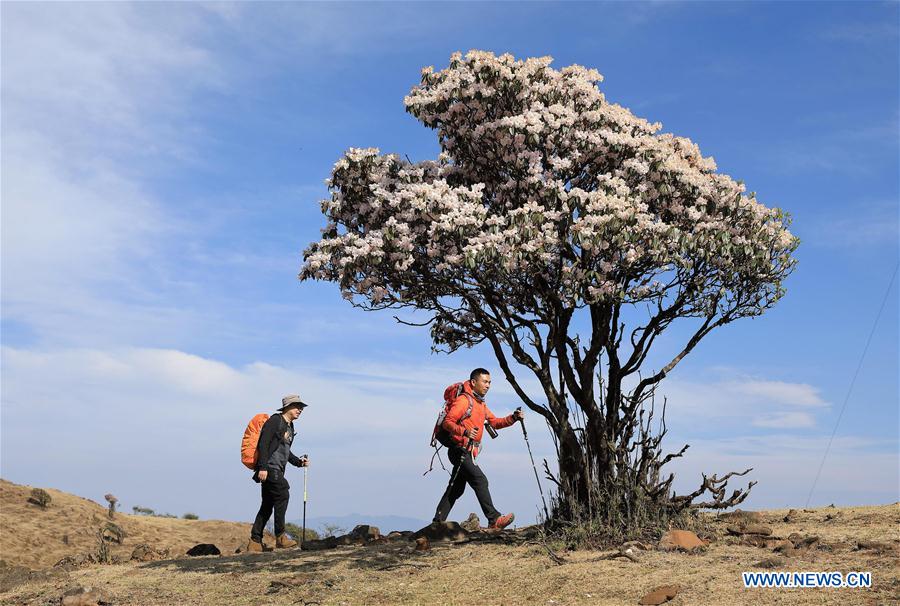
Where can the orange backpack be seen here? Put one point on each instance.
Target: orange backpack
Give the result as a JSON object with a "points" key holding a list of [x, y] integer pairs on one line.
{"points": [[439, 434], [251, 440]]}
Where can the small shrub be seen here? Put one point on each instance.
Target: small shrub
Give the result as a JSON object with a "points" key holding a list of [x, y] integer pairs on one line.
{"points": [[103, 555], [333, 530], [295, 531], [191, 516], [40, 497], [620, 518]]}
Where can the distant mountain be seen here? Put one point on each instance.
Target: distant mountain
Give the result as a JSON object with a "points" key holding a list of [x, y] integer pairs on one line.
{"points": [[384, 523]]}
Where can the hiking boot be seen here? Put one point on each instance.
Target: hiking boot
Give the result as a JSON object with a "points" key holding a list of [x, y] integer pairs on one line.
{"points": [[283, 542], [255, 546], [502, 522]]}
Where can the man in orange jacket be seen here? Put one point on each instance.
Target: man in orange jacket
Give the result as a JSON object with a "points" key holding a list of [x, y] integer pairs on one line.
{"points": [[465, 436]]}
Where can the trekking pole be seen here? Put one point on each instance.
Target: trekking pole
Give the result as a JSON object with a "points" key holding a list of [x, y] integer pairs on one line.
{"points": [[303, 536], [456, 468], [534, 467]]}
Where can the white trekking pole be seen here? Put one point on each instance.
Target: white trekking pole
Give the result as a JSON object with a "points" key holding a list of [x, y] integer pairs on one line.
{"points": [[303, 536]]}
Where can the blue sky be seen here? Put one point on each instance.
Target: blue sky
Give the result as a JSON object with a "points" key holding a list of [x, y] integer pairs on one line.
{"points": [[161, 171]]}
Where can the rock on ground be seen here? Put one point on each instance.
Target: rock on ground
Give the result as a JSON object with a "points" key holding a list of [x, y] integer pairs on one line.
{"points": [[204, 549], [681, 540], [84, 596], [442, 531], [472, 523], [660, 595]]}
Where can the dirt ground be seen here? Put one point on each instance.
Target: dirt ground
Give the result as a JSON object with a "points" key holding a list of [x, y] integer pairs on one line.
{"points": [[487, 573]]}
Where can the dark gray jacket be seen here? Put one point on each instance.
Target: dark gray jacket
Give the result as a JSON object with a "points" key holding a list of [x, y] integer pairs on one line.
{"points": [[274, 448]]}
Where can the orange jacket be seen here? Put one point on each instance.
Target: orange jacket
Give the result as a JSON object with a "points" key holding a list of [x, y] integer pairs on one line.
{"points": [[480, 414]]}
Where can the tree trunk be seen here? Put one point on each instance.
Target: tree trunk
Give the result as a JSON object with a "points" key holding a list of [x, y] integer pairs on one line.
{"points": [[610, 468]]}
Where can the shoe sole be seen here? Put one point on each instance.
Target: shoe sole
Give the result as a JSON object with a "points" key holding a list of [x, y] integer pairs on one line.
{"points": [[504, 527]]}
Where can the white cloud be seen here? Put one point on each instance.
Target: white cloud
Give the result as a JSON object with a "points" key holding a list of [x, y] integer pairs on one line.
{"points": [[103, 79], [95, 99], [793, 394], [785, 420], [735, 401], [164, 426], [155, 419]]}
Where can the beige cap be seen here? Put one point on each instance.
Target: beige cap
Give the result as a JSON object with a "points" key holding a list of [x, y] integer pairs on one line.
{"points": [[292, 400]]}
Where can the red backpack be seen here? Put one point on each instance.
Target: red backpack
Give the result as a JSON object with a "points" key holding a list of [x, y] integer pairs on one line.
{"points": [[439, 434], [251, 440]]}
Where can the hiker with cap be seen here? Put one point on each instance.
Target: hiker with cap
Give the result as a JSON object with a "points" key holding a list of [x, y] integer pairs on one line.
{"points": [[464, 422], [273, 455]]}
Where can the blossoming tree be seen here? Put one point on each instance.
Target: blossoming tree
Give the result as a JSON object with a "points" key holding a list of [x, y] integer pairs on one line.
{"points": [[551, 219]]}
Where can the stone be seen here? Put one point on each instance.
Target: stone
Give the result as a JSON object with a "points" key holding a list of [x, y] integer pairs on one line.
{"points": [[441, 531], [660, 595], [84, 596], [803, 542], [873, 545], [366, 533], [399, 535], [782, 545], [757, 529], [422, 544], [472, 523], [146, 553], [683, 540], [791, 516], [79, 559], [753, 540], [204, 549]]}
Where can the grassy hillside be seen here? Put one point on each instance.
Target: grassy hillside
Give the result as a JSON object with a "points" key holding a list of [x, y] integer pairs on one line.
{"points": [[38, 538]]}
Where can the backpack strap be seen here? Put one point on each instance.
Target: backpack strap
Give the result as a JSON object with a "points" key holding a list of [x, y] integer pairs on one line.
{"points": [[469, 409]]}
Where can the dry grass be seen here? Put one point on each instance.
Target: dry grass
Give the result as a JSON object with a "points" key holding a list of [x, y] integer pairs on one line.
{"points": [[488, 574], [33, 537]]}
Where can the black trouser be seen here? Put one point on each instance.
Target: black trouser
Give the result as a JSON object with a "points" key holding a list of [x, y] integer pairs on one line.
{"points": [[465, 471], [275, 495]]}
